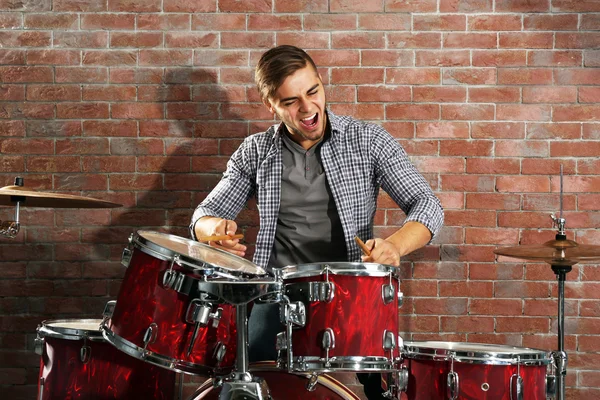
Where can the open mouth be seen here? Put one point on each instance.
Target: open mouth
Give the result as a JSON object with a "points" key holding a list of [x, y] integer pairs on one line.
{"points": [[310, 122]]}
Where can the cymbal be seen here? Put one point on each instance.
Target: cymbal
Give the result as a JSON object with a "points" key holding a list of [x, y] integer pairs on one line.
{"points": [[555, 252], [27, 197]]}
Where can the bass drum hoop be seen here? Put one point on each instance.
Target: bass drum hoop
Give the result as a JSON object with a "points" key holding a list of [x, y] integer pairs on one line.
{"points": [[51, 328], [335, 268]]}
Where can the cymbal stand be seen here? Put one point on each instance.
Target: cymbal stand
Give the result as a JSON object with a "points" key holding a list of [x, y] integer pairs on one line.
{"points": [[10, 229], [560, 356]]}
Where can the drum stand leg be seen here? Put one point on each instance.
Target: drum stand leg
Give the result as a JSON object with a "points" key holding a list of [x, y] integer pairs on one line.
{"points": [[560, 357], [241, 385]]}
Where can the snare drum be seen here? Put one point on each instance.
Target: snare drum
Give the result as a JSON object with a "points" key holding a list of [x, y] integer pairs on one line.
{"points": [[339, 317], [283, 385], [160, 317], [77, 363], [447, 370]]}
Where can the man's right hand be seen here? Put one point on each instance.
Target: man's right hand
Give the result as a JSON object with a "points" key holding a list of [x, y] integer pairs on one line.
{"points": [[213, 226]]}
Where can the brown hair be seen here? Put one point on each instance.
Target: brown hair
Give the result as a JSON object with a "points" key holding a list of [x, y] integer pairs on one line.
{"points": [[277, 64]]}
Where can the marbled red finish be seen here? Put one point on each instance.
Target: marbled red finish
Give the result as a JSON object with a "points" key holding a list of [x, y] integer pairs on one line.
{"points": [[143, 300], [109, 374], [427, 380], [357, 315], [285, 386]]}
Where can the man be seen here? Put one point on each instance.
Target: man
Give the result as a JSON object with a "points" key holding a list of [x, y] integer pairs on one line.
{"points": [[316, 177]]}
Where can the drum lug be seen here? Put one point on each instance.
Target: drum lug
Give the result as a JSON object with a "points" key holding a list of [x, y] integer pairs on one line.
{"points": [[311, 385], [403, 379], [389, 340], [85, 353], [220, 352], [387, 293], [400, 298], [281, 341], [516, 387], [293, 313], [150, 336], [38, 345], [452, 385], [328, 343], [311, 291], [109, 310], [199, 312], [550, 386], [127, 253]]}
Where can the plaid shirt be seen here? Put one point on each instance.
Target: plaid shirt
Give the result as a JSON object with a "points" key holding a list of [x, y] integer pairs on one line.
{"points": [[358, 158]]}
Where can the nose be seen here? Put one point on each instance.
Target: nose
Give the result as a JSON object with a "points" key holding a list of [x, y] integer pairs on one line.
{"points": [[304, 104]]}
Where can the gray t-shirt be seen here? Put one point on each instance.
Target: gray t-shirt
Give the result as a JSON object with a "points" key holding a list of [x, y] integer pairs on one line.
{"points": [[308, 226]]}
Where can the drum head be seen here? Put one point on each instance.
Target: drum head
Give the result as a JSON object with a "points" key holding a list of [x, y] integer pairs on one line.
{"points": [[475, 353], [196, 255], [72, 329], [335, 268]]}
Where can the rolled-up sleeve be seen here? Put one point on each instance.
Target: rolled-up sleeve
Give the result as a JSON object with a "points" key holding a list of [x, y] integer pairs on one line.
{"points": [[232, 192]]}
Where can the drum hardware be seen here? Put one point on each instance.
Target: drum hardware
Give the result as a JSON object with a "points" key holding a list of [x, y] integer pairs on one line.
{"points": [[328, 343], [127, 252], [561, 254], [198, 313], [396, 381], [109, 309], [388, 292], [21, 196], [311, 385], [452, 381], [389, 342], [518, 386], [311, 291], [149, 337], [293, 313], [85, 352], [41, 388]]}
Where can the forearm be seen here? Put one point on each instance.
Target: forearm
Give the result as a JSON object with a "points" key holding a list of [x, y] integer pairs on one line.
{"points": [[412, 236], [205, 226]]}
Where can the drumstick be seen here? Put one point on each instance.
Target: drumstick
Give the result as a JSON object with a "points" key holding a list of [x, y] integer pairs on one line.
{"points": [[216, 238], [362, 246]]}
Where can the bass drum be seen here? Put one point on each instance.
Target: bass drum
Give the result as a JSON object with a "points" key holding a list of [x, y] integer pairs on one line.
{"points": [[285, 386]]}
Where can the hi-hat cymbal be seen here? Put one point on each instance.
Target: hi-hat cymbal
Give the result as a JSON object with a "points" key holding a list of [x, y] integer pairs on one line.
{"points": [[9, 195], [555, 252]]}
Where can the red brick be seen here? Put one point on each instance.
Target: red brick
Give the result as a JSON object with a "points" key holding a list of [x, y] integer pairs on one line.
{"points": [[11, 20], [448, 22], [81, 75], [525, 184], [108, 21], [412, 111], [219, 129], [576, 113], [591, 131], [220, 57], [443, 129], [467, 183], [189, 6], [497, 94], [53, 92], [109, 93], [439, 94], [587, 167], [467, 112], [439, 164], [308, 6], [137, 110], [82, 110], [247, 39], [163, 164], [537, 202], [438, 306], [360, 111], [522, 324], [469, 76], [135, 181], [367, 40], [421, 147], [27, 146], [53, 128], [553, 130], [383, 93], [247, 111], [442, 58], [467, 324], [521, 6], [191, 40], [583, 40], [27, 110], [51, 21], [550, 22], [491, 236], [413, 76], [53, 164], [185, 181], [493, 201], [25, 38], [470, 40], [526, 40], [357, 75], [518, 148], [409, 40], [336, 58], [524, 76], [225, 22], [134, 5], [589, 95], [470, 218], [109, 58], [165, 22], [491, 22], [80, 39], [498, 130], [141, 146], [499, 58], [400, 129], [580, 184], [465, 148], [574, 6], [12, 128], [25, 74], [79, 6], [191, 146], [136, 40], [376, 22], [532, 166], [274, 22], [523, 112], [574, 76], [99, 164], [110, 128], [189, 76], [550, 58], [81, 146]]}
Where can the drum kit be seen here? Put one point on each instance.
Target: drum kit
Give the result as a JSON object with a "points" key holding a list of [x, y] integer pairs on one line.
{"points": [[183, 307]]}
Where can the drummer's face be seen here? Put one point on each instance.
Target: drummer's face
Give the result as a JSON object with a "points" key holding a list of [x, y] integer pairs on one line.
{"points": [[300, 104]]}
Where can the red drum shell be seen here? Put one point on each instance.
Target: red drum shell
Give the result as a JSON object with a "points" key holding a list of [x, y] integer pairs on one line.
{"points": [[143, 300], [108, 374], [428, 373], [357, 315], [285, 386]]}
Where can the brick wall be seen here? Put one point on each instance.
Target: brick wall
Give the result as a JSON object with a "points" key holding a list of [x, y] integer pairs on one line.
{"points": [[141, 102]]}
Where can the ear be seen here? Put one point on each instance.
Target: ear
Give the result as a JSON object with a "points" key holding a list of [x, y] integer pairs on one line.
{"points": [[269, 106]]}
